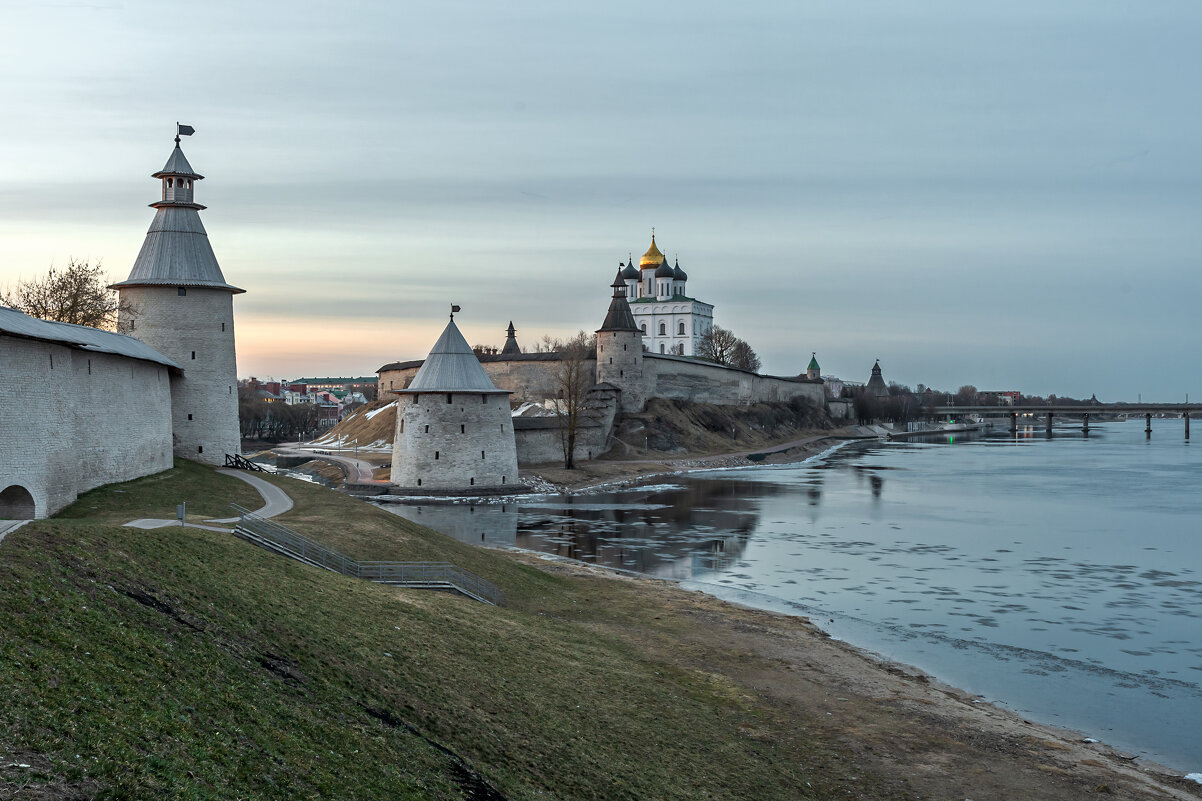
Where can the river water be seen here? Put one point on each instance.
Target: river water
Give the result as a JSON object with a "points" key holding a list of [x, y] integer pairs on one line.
{"points": [[1060, 577]]}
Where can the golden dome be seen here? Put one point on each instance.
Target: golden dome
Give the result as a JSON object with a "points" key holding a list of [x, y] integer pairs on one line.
{"points": [[652, 258]]}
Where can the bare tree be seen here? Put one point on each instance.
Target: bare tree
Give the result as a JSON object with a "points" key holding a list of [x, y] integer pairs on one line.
{"points": [[573, 379], [744, 357], [720, 345], [77, 293]]}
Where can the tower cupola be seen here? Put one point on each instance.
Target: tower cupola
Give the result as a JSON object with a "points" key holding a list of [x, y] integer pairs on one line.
{"points": [[813, 371]]}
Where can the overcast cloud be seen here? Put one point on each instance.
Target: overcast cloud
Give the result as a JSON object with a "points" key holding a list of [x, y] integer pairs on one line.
{"points": [[1006, 195]]}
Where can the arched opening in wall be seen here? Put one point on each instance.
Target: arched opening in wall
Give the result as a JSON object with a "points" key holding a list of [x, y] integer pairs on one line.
{"points": [[16, 503], [663, 329], [680, 329]]}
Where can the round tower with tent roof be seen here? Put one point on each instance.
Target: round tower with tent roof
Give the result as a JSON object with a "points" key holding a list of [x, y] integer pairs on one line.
{"points": [[177, 301], [454, 430]]}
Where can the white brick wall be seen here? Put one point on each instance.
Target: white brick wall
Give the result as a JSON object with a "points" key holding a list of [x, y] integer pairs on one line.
{"points": [[464, 444], [196, 330], [96, 418]]}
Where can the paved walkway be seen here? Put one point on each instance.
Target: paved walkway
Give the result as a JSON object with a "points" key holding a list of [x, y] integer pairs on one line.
{"points": [[275, 502], [7, 526], [358, 471]]}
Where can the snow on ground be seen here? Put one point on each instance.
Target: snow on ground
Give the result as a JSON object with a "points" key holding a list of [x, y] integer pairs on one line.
{"points": [[374, 412]]}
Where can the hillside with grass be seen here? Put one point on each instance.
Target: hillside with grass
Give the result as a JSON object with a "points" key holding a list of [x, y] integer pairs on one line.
{"points": [[183, 663]]}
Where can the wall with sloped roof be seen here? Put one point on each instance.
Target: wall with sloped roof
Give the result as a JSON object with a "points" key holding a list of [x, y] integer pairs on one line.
{"points": [[95, 418]]}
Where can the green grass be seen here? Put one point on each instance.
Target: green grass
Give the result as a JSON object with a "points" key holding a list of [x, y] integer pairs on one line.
{"points": [[207, 493], [184, 663]]}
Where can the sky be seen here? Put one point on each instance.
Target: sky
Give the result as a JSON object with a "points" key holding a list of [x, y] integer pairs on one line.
{"points": [[1005, 194]]}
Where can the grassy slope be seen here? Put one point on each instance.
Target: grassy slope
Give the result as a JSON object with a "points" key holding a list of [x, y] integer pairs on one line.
{"points": [[182, 663]]}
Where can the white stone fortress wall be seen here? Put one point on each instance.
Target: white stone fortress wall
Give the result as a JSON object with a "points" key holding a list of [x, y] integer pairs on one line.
{"points": [[194, 327], [454, 440], [94, 418]]}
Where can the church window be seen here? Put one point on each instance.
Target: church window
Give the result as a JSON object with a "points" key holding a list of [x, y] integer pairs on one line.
{"points": [[436, 455], [449, 400], [621, 373], [484, 399], [481, 454], [427, 429], [183, 290], [222, 326], [681, 331], [462, 429], [189, 417], [200, 449], [661, 347], [193, 354], [170, 182], [644, 327], [231, 389], [419, 482], [611, 359], [471, 482], [663, 329], [623, 347], [502, 481]]}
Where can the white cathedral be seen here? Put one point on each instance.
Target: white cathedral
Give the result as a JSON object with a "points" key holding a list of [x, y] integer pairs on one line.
{"points": [[672, 323]]}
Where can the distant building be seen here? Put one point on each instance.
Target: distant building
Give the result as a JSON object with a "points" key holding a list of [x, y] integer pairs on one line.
{"points": [[671, 321], [349, 384], [876, 383]]}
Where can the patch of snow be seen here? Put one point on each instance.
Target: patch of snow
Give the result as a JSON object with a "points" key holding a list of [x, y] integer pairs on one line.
{"points": [[532, 409], [374, 412], [1194, 777]]}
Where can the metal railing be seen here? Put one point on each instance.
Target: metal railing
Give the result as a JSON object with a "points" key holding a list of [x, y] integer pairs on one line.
{"points": [[427, 575]]}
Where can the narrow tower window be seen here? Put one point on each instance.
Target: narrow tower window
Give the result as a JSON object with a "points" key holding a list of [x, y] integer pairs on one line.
{"points": [[481, 454], [435, 455], [462, 429], [427, 429], [183, 290], [193, 354], [449, 400]]}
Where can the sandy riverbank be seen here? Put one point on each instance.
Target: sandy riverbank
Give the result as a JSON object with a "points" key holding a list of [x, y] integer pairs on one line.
{"points": [[922, 738]]}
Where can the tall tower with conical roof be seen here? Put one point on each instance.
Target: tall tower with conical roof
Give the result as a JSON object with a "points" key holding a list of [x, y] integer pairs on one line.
{"points": [[177, 301], [454, 430], [620, 350]]}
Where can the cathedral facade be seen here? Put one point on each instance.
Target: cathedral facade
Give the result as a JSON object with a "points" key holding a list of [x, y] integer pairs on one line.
{"points": [[672, 322]]}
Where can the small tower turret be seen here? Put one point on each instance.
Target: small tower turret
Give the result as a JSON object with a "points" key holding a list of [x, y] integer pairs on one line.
{"points": [[620, 350], [511, 342], [876, 382], [177, 301], [813, 371]]}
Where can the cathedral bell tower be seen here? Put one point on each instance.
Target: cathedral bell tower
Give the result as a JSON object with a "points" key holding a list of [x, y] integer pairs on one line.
{"points": [[177, 301]]}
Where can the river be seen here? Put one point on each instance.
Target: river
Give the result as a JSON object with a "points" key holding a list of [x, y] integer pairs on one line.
{"points": [[1061, 578]]}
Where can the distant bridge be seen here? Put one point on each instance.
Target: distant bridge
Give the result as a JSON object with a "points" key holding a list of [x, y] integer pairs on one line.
{"points": [[1083, 410]]}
